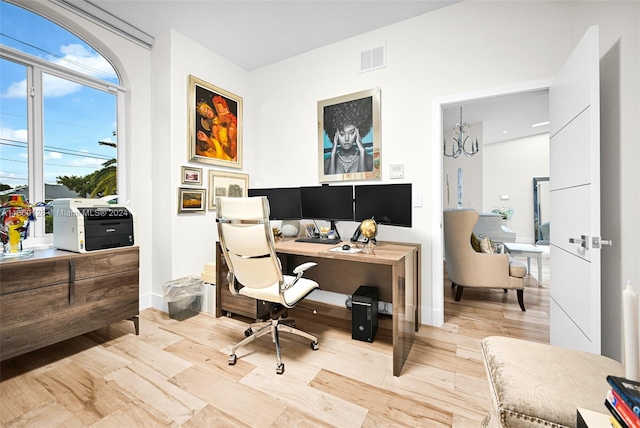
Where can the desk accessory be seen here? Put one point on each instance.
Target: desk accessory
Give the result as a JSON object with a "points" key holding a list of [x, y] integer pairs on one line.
{"points": [[366, 233]]}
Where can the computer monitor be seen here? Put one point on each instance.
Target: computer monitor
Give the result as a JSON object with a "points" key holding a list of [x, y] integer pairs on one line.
{"points": [[284, 202], [332, 203], [387, 203]]}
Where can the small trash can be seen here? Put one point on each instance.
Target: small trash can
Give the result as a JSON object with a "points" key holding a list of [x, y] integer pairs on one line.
{"points": [[364, 313], [184, 297]]}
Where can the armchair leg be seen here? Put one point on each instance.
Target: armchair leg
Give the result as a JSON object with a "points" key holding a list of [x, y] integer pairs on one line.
{"points": [[521, 299], [459, 292]]}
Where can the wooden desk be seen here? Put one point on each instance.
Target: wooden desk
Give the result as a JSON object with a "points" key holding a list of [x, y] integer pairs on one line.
{"points": [[393, 267]]}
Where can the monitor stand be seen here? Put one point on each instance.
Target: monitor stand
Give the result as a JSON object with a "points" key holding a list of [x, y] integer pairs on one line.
{"points": [[335, 229]]}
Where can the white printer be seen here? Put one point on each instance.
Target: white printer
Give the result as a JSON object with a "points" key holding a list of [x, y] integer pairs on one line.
{"points": [[82, 225]]}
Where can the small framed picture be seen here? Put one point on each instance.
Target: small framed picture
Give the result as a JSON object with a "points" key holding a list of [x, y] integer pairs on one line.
{"points": [[222, 183], [191, 175], [191, 200]]}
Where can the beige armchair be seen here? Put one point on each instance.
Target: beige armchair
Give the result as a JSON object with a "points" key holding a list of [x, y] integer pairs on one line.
{"points": [[468, 268]]}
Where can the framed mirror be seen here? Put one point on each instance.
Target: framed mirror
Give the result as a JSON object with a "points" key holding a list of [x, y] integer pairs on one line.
{"points": [[541, 212]]}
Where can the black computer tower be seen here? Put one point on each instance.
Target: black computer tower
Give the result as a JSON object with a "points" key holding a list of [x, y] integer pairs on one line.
{"points": [[364, 313]]}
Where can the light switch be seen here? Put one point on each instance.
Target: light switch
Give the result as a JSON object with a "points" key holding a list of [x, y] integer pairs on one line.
{"points": [[504, 197], [417, 199]]}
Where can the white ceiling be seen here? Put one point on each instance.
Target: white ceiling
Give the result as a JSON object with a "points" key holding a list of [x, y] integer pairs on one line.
{"points": [[256, 33], [514, 114]]}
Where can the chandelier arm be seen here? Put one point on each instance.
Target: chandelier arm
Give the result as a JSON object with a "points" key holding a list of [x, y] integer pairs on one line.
{"points": [[459, 145]]}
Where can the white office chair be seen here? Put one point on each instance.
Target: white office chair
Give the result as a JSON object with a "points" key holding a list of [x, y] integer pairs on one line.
{"points": [[248, 246]]}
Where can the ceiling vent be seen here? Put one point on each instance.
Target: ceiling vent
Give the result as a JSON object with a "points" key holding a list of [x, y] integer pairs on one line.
{"points": [[372, 59]]}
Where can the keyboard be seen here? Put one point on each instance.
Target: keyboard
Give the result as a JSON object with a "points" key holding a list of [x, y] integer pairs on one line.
{"points": [[320, 240]]}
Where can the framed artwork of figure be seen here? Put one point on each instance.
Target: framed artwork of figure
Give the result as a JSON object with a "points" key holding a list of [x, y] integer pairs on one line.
{"points": [[349, 137], [215, 125]]}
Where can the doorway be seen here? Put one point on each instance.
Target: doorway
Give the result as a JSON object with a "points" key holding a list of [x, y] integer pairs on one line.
{"points": [[438, 113]]}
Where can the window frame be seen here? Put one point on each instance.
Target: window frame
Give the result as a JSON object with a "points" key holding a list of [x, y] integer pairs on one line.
{"points": [[35, 68]]}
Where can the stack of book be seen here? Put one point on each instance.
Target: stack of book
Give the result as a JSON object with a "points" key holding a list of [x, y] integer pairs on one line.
{"points": [[623, 401]]}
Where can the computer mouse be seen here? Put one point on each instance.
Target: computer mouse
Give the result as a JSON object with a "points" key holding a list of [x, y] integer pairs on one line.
{"points": [[346, 247]]}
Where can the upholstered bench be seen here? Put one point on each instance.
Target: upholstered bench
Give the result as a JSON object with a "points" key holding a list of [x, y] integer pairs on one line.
{"points": [[538, 385]]}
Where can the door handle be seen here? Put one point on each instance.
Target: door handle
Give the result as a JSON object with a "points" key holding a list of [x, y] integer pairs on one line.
{"points": [[597, 242], [583, 241]]}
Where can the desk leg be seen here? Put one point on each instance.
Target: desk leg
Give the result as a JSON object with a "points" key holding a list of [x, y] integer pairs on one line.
{"points": [[404, 312]]}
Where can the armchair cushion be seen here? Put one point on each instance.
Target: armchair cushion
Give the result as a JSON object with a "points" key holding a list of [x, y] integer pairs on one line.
{"points": [[517, 268], [482, 245], [487, 246], [475, 243]]}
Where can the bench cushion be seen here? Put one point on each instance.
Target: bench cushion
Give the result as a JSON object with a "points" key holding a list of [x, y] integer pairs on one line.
{"points": [[535, 385]]}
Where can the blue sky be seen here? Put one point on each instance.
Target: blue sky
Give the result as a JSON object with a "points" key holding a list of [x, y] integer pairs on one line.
{"points": [[75, 117]]}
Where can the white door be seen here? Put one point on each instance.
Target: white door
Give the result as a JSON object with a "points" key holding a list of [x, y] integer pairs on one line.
{"points": [[574, 112]]}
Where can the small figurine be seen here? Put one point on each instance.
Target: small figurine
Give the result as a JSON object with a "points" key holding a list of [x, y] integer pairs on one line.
{"points": [[15, 216]]}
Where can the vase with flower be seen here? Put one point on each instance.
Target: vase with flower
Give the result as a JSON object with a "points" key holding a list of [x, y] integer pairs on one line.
{"points": [[506, 214]]}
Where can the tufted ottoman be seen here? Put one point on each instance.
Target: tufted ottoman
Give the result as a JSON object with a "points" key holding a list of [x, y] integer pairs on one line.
{"points": [[538, 385]]}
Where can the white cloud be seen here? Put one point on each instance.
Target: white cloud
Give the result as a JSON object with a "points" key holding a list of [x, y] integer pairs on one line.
{"points": [[87, 162], [16, 90], [13, 134], [76, 57], [54, 155], [53, 87], [56, 87], [79, 58]]}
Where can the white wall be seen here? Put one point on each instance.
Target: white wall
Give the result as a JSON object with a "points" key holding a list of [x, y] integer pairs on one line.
{"points": [[469, 46], [472, 173], [184, 242], [509, 168]]}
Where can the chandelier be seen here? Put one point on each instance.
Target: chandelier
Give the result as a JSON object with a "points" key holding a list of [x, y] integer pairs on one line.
{"points": [[460, 144]]}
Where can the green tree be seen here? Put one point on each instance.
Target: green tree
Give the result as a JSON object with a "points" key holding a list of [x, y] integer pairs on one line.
{"points": [[105, 179], [97, 184], [4, 198], [81, 185]]}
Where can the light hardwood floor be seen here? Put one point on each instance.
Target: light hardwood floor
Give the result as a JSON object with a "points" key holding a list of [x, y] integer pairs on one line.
{"points": [[175, 373]]}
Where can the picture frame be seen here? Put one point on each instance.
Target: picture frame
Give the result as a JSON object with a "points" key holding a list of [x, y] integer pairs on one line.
{"points": [[191, 200], [191, 175], [223, 183], [341, 121], [215, 125]]}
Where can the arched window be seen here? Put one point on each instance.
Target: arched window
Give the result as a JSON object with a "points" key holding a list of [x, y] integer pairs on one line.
{"points": [[58, 115]]}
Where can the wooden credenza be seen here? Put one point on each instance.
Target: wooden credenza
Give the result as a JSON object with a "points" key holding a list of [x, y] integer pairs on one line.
{"points": [[56, 295]]}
